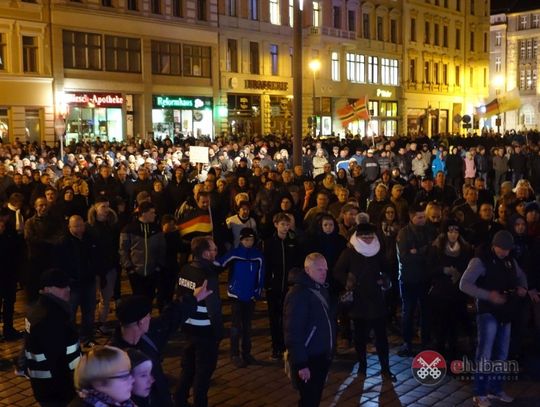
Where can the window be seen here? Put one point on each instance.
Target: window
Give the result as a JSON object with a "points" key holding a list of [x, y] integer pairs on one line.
{"points": [[436, 78], [196, 61], [413, 29], [274, 12], [458, 38], [388, 109], [177, 8], [529, 49], [335, 67], [356, 68], [522, 79], [201, 10], [498, 39], [336, 16], [523, 20], [458, 76], [458, 5], [254, 57], [291, 13], [522, 49], [427, 34], [445, 36], [2, 51], [427, 76], [472, 7], [535, 48], [365, 25], [389, 71], [82, 50], [351, 20], [393, 31], [527, 114], [133, 5], [436, 35], [106, 3], [471, 40], [254, 10], [536, 21], [274, 68], [498, 64], [122, 54], [412, 70], [316, 14], [232, 55], [380, 28], [166, 58], [373, 70], [373, 107], [232, 8], [156, 6], [485, 42], [30, 54], [445, 74]]}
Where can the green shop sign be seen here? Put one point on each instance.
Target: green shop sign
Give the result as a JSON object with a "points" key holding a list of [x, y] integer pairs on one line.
{"points": [[182, 102]]}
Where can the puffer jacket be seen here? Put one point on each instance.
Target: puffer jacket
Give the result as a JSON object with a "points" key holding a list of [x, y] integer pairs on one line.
{"points": [[246, 273], [308, 321], [142, 248]]}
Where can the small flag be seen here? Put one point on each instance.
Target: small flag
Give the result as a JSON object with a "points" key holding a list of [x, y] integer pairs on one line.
{"points": [[360, 108]]}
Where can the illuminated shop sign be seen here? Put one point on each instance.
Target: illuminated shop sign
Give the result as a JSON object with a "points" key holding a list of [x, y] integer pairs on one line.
{"points": [[384, 93], [265, 85], [95, 99], [182, 102]]}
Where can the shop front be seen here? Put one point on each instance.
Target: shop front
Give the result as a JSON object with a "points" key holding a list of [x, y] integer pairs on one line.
{"points": [[182, 116], [94, 115]]}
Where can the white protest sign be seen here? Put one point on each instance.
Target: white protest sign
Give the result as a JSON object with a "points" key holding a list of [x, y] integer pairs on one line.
{"points": [[198, 154]]}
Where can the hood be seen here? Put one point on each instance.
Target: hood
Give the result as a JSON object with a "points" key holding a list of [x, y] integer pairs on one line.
{"points": [[112, 218], [361, 247], [512, 221]]}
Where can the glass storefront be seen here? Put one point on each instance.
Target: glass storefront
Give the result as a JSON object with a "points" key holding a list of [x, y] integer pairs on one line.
{"points": [[182, 116], [32, 125], [280, 114], [4, 125], [383, 119], [93, 115], [244, 114]]}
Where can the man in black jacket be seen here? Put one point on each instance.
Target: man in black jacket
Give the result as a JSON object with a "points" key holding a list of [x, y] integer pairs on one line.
{"points": [[52, 342], [150, 335], [204, 329], [309, 329]]}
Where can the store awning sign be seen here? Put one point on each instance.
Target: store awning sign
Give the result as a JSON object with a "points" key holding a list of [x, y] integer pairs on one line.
{"points": [[90, 99], [182, 102]]}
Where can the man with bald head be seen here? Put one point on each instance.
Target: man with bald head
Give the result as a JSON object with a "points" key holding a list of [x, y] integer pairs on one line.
{"points": [[75, 257]]}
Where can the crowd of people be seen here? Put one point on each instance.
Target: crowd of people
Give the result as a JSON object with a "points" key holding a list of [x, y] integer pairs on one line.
{"points": [[365, 236]]}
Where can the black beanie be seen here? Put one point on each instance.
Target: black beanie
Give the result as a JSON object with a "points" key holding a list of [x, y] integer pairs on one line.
{"points": [[133, 308]]}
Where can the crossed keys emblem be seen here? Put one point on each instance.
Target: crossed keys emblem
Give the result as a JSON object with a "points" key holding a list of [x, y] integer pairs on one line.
{"points": [[428, 369]]}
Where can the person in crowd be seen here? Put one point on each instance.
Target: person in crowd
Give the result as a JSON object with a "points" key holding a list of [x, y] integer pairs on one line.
{"points": [[482, 232], [434, 217], [500, 169], [455, 168], [347, 219], [323, 201], [281, 254], [517, 164], [141, 372], [380, 200], [361, 270], [204, 329], [495, 280], [414, 278], [246, 282], [9, 249], [469, 208], [447, 259], [309, 329], [196, 220], [470, 168], [51, 343], [240, 221], [103, 227], [103, 379], [142, 251], [106, 186]]}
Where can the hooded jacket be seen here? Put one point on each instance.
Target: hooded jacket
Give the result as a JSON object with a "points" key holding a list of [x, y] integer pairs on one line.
{"points": [[142, 248]]}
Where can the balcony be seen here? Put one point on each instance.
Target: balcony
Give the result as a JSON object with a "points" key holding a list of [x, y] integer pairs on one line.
{"points": [[332, 32]]}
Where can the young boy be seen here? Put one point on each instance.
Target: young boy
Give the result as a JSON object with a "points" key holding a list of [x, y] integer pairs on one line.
{"points": [[246, 281]]}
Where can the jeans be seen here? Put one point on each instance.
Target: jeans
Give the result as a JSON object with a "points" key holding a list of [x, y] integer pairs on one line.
{"points": [[311, 392], [242, 313], [84, 296], [493, 343], [198, 364], [105, 294], [411, 296]]}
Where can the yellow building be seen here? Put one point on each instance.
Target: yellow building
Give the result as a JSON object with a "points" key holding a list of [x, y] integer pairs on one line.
{"points": [[446, 61]]}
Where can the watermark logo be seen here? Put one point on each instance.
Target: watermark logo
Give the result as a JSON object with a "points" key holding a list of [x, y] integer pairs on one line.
{"points": [[429, 368], [466, 368]]}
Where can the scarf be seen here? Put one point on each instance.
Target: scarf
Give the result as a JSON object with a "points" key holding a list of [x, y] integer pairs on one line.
{"points": [[98, 399], [365, 249], [452, 251]]}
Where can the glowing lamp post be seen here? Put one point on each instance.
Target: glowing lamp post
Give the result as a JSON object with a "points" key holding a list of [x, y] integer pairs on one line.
{"points": [[315, 66]]}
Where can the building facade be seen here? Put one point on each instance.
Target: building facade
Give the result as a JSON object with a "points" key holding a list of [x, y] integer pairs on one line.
{"points": [[515, 35], [116, 69], [446, 58]]}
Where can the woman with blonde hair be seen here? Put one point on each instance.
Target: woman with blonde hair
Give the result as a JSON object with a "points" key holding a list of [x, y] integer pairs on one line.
{"points": [[103, 378]]}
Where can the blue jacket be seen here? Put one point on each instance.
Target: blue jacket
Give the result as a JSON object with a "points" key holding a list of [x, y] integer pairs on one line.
{"points": [[246, 272], [438, 164]]}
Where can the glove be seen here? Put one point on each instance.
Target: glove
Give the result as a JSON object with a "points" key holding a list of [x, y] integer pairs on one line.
{"points": [[453, 273]]}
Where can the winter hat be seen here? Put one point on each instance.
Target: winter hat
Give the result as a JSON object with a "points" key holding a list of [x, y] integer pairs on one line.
{"points": [[503, 239], [452, 224], [246, 233], [133, 308], [54, 278], [365, 229], [532, 207], [136, 357]]}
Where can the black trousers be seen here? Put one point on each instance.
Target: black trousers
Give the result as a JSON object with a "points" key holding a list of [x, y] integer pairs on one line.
{"points": [[361, 332], [8, 294], [311, 391], [143, 285], [198, 364], [242, 314], [275, 314]]}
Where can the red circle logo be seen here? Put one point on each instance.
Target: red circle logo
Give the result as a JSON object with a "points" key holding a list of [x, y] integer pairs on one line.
{"points": [[429, 368]]}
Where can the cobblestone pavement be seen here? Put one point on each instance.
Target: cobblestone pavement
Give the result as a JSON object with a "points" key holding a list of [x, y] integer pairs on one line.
{"points": [[266, 385]]}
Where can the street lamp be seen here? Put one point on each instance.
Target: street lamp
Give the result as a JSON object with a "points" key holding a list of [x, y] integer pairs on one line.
{"points": [[314, 65], [297, 82], [62, 110]]}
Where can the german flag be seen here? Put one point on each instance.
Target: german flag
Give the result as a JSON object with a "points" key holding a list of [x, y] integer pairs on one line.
{"points": [[198, 225]]}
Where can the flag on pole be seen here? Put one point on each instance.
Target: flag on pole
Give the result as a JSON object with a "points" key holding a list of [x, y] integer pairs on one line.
{"points": [[357, 111], [346, 115]]}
